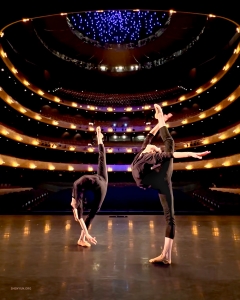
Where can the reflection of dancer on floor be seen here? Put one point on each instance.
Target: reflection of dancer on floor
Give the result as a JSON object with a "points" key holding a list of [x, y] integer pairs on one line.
{"points": [[153, 168], [98, 185]]}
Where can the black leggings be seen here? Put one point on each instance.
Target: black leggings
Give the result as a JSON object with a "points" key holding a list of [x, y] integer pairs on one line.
{"points": [[96, 183], [166, 198]]}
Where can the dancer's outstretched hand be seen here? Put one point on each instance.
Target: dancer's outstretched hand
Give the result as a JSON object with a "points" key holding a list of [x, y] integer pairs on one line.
{"points": [[91, 239], [199, 155]]}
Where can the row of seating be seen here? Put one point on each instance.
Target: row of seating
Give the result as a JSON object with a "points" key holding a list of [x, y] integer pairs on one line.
{"points": [[130, 123], [119, 99], [218, 201], [22, 201]]}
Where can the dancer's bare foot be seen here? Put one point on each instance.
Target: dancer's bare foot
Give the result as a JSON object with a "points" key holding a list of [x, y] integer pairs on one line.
{"points": [[99, 134], [158, 111], [160, 259], [83, 243]]}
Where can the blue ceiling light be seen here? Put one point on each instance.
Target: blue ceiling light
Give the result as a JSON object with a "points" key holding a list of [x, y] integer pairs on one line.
{"points": [[116, 26]]}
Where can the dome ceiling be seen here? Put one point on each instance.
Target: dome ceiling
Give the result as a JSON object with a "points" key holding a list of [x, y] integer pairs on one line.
{"points": [[50, 45]]}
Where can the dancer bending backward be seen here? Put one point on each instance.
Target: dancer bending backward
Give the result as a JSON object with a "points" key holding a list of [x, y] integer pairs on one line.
{"points": [[96, 183], [152, 168]]}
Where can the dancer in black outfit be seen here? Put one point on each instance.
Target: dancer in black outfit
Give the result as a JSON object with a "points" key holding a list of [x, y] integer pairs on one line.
{"points": [[96, 183], [152, 168]]}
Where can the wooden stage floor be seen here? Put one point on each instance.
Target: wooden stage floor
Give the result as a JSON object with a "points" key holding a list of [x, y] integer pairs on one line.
{"points": [[39, 259]]}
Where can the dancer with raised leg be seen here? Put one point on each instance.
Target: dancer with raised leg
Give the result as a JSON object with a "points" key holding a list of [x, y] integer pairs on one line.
{"points": [[97, 183], [153, 168]]}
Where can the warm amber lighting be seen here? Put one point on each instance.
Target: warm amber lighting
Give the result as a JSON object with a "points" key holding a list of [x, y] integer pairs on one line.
{"points": [[37, 117], [90, 149], [110, 129], [91, 128], [237, 130], [55, 123], [15, 164], [238, 29], [148, 128], [128, 109], [129, 169], [202, 116], [47, 228], [70, 168], [182, 98], [35, 142], [1, 34], [236, 51], [212, 16], [68, 226], [185, 121], [199, 91], [164, 103], [208, 166], [109, 109], [226, 164], [91, 107], [74, 104], [90, 169], [63, 14], [110, 169], [73, 126], [222, 137], [2, 162], [225, 68], [22, 110], [130, 224], [15, 71], [19, 138], [151, 224], [206, 141], [26, 82], [109, 224], [51, 167], [56, 99], [3, 54], [214, 80], [129, 150], [25, 20], [194, 230], [71, 148], [99, 11], [32, 166], [172, 11], [218, 108], [54, 146], [231, 98], [9, 100], [147, 107], [129, 129], [6, 235], [215, 231], [40, 92], [189, 167], [5, 132], [26, 230], [109, 150]]}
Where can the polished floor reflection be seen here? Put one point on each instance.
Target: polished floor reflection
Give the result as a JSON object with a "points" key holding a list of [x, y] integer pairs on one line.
{"points": [[40, 259]]}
